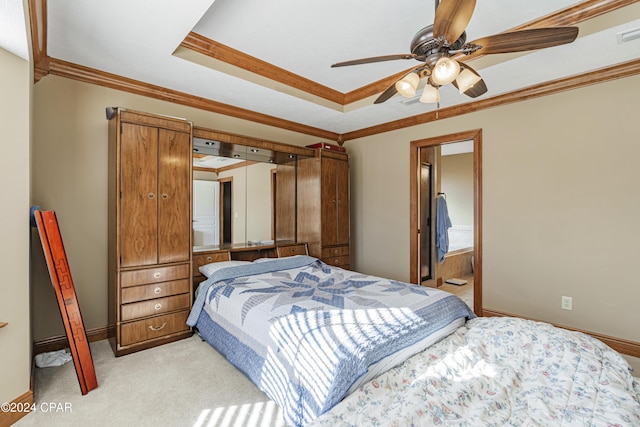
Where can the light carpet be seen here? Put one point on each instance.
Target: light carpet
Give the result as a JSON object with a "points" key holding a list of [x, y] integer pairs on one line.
{"points": [[184, 383]]}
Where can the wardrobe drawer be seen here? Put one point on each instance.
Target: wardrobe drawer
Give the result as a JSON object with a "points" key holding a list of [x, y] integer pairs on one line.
{"points": [[338, 261], [158, 290], [152, 307], [154, 327], [153, 275], [291, 250], [204, 259], [335, 251]]}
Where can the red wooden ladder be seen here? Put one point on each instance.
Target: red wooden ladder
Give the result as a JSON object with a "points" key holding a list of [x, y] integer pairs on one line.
{"points": [[58, 266]]}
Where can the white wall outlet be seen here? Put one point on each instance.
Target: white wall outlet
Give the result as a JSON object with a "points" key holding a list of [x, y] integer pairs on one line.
{"points": [[567, 303]]}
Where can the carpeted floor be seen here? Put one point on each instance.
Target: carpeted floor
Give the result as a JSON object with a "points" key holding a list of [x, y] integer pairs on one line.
{"points": [[185, 383]]}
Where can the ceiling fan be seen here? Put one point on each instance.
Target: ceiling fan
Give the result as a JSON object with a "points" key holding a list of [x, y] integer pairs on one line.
{"points": [[436, 44]]}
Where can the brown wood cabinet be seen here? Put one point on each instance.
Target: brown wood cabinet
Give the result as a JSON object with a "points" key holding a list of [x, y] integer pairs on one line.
{"points": [[150, 245], [205, 258], [323, 206], [292, 249]]}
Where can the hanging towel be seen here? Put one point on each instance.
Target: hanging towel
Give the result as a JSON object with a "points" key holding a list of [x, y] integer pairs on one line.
{"points": [[443, 223]]}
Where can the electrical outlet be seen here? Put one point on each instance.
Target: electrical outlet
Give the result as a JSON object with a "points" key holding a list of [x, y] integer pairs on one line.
{"points": [[567, 303]]}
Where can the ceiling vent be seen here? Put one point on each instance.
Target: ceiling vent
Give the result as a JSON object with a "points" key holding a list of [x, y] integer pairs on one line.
{"points": [[412, 100], [628, 35]]}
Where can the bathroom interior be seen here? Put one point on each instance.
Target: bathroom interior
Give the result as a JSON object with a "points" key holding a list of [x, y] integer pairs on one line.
{"points": [[447, 172]]}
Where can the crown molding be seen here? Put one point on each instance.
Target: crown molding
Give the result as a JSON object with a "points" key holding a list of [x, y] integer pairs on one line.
{"points": [[617, 71], [218, 51], [69, 70], [570, 16]]}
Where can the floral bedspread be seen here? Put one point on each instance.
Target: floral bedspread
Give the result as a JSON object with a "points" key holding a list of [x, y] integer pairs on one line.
{"points": [[500, 372]]}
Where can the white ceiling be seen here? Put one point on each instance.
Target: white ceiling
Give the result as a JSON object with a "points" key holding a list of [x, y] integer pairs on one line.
{"points": [[13, 28], [137, 39]]}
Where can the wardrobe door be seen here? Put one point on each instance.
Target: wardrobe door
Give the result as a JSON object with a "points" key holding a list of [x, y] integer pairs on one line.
{"points": [[138, 195], [342, 194], [329, 201], [174, 184]]}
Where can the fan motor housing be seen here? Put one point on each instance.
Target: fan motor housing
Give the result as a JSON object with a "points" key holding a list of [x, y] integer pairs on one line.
{"points": [[424, 45]]}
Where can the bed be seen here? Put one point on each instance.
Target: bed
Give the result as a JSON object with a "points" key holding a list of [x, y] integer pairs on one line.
{"points": [[307, 333], [336, 347], [500, 372]]}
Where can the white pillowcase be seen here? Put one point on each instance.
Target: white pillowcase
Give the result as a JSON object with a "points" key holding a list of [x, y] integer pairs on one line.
{"points": [[264, 259], [209, 269]]}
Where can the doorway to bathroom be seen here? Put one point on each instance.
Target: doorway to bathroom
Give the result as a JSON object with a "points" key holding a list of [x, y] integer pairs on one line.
{"points": [[429, 265]]}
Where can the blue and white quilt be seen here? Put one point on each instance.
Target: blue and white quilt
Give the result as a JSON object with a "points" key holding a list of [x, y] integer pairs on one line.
{"points": [[304, 331]]}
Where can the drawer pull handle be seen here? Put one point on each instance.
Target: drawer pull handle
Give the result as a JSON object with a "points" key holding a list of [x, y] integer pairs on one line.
{"points": [[151, 195], [157, 275], [157, 290], [157, 328], [165, 196], [209, 258], [335, 251], [158, 306]]}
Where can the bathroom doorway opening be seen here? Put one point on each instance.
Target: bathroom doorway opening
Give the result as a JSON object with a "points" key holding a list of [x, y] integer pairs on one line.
{"points": [[428, 151]]}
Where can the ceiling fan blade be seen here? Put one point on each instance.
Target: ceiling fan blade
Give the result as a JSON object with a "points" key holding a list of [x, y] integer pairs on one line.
{"points": [[388, 93], [452, 17], [518, 41], [374, 59], [479, 88]]}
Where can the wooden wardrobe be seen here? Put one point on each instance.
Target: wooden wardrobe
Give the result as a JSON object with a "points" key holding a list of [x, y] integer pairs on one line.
{"points": [[323, 206], [150, 247]]}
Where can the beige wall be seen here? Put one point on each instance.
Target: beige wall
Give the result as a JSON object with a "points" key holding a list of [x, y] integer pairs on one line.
{"points": [[259, 204], [251, 189], [456, 181], [560, 205], [70, 177], [15, 339]]}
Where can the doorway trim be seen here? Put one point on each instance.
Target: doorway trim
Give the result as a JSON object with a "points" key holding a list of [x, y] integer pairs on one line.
{"points": [[222, 181], [476, 136]]}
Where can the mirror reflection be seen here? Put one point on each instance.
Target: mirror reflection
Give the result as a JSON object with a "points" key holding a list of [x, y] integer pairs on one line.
{"points": [[242, 196]]}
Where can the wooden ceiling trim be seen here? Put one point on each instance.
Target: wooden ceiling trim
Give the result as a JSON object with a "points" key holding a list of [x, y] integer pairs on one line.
{"points": [[38, 24], [373, 88], [618, 71], [575, 14], [89, 75], [567, 17], [220, 52]]}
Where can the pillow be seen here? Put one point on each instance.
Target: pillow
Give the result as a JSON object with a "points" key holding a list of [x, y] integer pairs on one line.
{"points": [[209, 269], [264, 259]]}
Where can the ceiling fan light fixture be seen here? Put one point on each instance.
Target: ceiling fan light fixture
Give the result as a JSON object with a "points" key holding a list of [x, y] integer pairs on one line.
{"points": [[408, 85], [466, 79], [430, 95], [445, 71]]}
